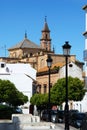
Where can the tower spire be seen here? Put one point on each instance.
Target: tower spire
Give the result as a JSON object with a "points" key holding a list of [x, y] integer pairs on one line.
{"points": [[45, 19], [25, 34], [46, 28]]}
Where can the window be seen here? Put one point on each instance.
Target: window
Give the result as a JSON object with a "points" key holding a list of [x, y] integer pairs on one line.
{"points": [[39, 88], [31, 54], [2, 65], [45, 88]]}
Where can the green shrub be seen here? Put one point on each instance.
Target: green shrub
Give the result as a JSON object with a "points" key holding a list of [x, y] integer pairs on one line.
{"points": [[6, 111]]}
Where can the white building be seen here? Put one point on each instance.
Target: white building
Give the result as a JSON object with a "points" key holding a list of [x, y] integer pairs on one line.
{"points": [[22, 75], [73, 71]]}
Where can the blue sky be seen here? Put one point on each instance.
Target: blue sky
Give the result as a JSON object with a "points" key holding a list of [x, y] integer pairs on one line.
{"points": [[65, 18]]}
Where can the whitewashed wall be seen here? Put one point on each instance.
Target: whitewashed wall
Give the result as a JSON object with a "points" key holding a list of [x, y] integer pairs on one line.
{"points": [[73, 71], [22, 75]]}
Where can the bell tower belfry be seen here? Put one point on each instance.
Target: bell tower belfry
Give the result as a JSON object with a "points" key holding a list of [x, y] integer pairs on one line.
{"points": [[45, 40]]}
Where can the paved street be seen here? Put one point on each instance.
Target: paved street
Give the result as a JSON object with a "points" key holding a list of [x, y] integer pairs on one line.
{"points": [[61, 127], [9, 125]]}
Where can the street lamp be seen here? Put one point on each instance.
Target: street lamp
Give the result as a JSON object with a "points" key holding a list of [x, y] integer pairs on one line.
{"points": [[49, 63], [66, 52]]}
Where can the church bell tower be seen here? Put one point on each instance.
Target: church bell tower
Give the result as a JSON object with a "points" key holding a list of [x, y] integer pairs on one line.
{"points": [[45, 40]]}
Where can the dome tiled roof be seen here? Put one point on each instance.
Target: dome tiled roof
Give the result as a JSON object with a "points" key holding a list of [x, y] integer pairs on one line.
{"points": [[26, 43]]}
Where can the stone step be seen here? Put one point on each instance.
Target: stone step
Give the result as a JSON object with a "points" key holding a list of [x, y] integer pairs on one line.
{"points": [[37, 126], [25, 122]]}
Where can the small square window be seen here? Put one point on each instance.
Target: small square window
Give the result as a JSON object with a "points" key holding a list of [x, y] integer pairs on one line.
{"points": [[2, 65]]}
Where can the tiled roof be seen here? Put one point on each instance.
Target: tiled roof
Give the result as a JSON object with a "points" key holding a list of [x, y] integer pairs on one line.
{"points": [[46, 68], [60, 64], [25, 44], [85, 33], [85, 7]]}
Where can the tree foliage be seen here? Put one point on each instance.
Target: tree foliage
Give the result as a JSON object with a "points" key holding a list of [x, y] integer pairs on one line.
{"points": [[39, 99], [58, 92], [10, 94], [76, 90]]}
